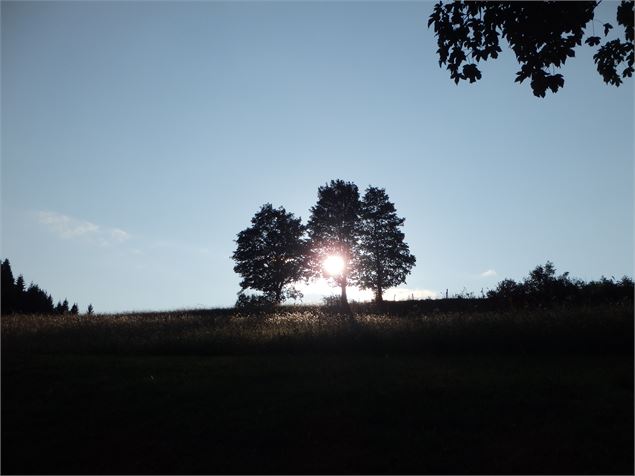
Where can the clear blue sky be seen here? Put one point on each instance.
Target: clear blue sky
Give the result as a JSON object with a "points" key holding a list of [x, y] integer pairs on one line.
{"points": [[138, 138]]}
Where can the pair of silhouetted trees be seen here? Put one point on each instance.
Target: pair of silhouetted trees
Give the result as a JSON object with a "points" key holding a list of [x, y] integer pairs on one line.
{"points": [[277, 250], [18, 298]]}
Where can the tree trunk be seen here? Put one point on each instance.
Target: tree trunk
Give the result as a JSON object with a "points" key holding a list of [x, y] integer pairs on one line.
{"points": [[379, 295], [379, 282], [345, 308], [343, 299], [279, 294]]}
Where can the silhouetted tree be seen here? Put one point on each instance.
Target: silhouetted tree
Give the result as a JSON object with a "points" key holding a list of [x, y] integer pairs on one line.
{"points": [[8, 288], [89, 311], [19, 295], [609, 290], [541, 278], [6, 274], [75, 309], [542, 35], [20, 286], [17, 298], [36, 301], [383, 258], [334, 229], [508, 292], [270, 253]]}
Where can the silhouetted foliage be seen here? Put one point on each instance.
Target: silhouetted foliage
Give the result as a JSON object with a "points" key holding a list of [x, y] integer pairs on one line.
{"points": [[17, 298], [89, 311], [542, 35], [8, 288], [36, 301], [74, 309], [332, 302], [334, 229], [20, 287], [270, 255], [542, 287], [383, 259], [254, 301], [365, 234]]}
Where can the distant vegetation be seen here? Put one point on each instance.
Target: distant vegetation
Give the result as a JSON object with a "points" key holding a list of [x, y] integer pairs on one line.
{"points": [[545, 311], [543, 288], [17, 298]]}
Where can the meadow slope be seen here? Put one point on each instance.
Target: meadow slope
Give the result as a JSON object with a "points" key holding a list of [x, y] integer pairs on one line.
{"points": [[304, 390]]}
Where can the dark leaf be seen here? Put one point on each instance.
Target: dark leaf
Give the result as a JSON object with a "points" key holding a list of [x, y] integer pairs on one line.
{"points": [[471, 72]]}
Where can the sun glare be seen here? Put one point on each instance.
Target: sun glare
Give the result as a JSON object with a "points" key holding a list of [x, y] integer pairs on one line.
{"points": [[333, 265]]}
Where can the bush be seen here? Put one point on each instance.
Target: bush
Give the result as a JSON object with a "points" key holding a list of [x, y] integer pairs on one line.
{"points": [[542, 288], [254, 301]]}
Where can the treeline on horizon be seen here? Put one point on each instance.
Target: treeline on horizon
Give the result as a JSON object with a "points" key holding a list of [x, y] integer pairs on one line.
{"points": [[277, 251], [17, 298], [543, 287]]}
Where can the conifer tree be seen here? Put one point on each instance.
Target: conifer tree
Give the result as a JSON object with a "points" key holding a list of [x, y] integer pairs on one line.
{"points": [[383, 258], [8, 288], [20, 286], [6, 273], [17, 298]]}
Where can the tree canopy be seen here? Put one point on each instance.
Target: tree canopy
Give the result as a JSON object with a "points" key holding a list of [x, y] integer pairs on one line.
{"points": [[346, 241], [270, 254], [542, 36], [334, 229], [383, 258]]}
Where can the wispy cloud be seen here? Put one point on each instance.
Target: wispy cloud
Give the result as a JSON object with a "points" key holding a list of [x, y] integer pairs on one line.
{"points": [[490, 273], [118, 235], [67, 228]]}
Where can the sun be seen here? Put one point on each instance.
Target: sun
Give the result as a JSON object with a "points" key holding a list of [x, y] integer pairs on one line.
{"points": [[333, 265]]}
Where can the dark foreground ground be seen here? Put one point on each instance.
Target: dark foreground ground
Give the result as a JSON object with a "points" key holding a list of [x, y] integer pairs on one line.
{"points": [[511, 411], [317, 414]]}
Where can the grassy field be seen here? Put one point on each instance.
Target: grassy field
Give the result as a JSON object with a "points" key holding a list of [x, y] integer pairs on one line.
{"points": [[301, 390]]}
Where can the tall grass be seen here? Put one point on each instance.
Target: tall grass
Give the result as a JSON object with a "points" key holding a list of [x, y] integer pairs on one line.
{"points": [[300, 329]]}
